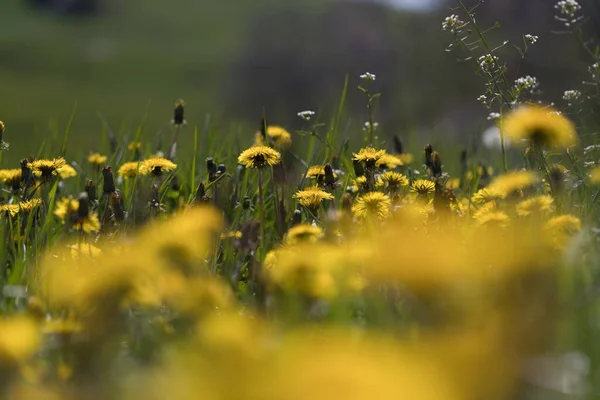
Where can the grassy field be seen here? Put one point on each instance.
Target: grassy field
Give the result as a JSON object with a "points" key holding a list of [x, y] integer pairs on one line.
{"points": [[321, 263]]}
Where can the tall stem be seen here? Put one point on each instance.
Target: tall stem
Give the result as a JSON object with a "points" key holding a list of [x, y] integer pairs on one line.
{"points": [[261, 204]]}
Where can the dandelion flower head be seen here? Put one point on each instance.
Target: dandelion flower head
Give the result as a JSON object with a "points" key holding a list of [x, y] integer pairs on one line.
{"points": [[373, 205], [539, 126], [259, 157]]}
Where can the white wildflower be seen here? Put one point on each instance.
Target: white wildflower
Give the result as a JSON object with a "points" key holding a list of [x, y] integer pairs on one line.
{"points": [[367, 76], [452, 24], [482, 98], [568, 8], [306, 115], [531, 39], [595, 70], [368, 125], [487, 62], [493, 116], [571, 95], [528, 83]]}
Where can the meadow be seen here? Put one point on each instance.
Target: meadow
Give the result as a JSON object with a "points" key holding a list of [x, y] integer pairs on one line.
{"points": [[327, 262]]}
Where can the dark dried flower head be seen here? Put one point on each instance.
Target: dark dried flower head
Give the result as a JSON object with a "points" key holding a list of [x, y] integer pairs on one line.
{"points": [[109, 180], [178, 113]]}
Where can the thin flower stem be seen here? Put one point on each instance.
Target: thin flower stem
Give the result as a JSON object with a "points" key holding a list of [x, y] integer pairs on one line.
{"points": [[261, 204], [502, 141]]}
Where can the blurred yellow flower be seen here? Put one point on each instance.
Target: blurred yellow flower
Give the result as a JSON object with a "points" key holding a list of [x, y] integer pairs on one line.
{"points": [[540, 127], [303, 233], [11, 178], [595, 176], [486, 195], [422, 187], [156, 166], [312, 197], [388, 161], [97, 159], [393, 180], [493, 219], [19, 339], [280, 136], [67, 210], [46, 168], [9, 210], [369, 156], [560, 229], [130, 169], [512, 182], [66, 172], [535, 205]]}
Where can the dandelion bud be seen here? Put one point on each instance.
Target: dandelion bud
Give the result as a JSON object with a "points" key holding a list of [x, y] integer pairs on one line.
{"points": [[359, 170], [2, 127], [109, 181], [211, 167], [428, 153], [201, 191], [436, 165], [84, 206], [90, 189], [398, 146], [25, 172], [178, 113], [297, 218], [221, 169], [246, 203], [329, 177], [117, 206]]}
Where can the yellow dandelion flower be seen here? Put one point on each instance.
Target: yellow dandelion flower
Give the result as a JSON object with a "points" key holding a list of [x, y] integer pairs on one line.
{"points": [[497, 219], [65, 207], [259, 157], [11, 178], [560, 229], [486, 195], [388, 161], [317, 172], [303, 233], [422, 187], [536, 205], [85, 250], [539, 126], [2, 127], [513, 182], [406, 158], [595, 176], [97, 159], [66, 172], [393, 180], [231, 235], [452, 184], [369, 156], [130, 169], [28, 206], [485, 209], [66, 326], [19, 339], [46, 168], [360, 183], [373, 205], [9, 210], [280, 136], [312, 197], [156, 166]]}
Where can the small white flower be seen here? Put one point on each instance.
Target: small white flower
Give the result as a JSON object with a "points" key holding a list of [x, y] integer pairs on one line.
{"points": [[493, 116], [367, 76], [591, 148], [588, 164], [306, 115], [482, 98], [555, 113], [595, 70], [488, 62], [368, 125], [531, 39], [452, 24], [571, 95], [528, 83], [568, 8]]}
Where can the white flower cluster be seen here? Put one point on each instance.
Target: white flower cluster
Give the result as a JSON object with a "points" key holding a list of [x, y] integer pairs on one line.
{"points": [[493, 116], [571, 95], [531, 39], [528, 83], [487, 62], [452, 24], [568, 8], [306, 115], [482, 98], [367, 76]]}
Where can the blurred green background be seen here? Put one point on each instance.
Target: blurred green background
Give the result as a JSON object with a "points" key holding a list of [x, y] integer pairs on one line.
{"points": [[126, 62]]}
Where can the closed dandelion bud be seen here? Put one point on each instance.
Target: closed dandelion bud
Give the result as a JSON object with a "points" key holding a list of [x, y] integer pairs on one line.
{"points": [[211, 168], [84, 206], [2, 127], [297, 217], [436, 164], [329, 177], [178, 113], [246, 203], [90, 189], [347, 202], [117, 206], [25, 172], [201, 191], [108, 186], [398, 146], [221, 169], [358, 168], [428, 154]]}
